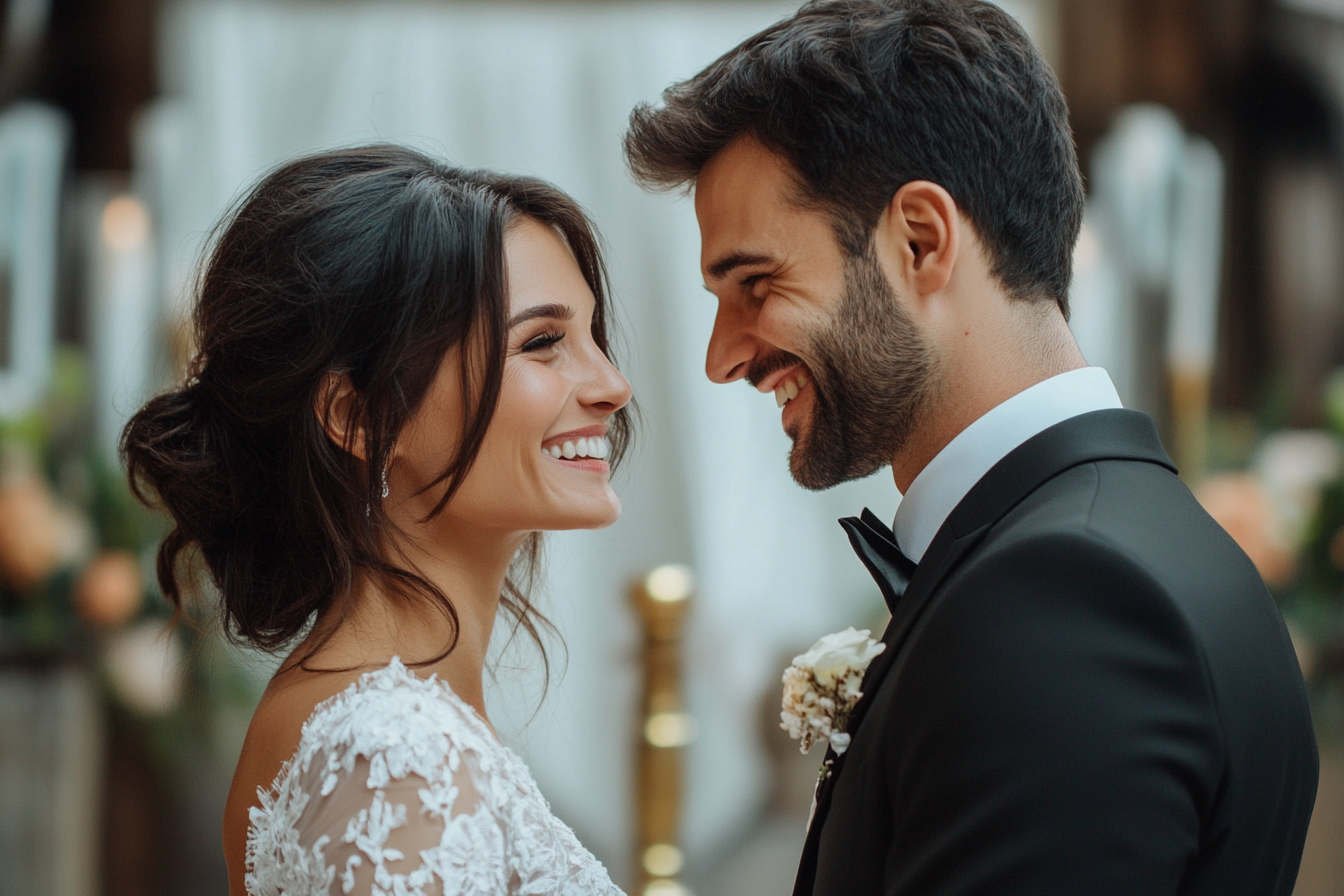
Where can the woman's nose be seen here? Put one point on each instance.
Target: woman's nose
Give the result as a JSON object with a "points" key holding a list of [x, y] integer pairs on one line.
{"points": [[606, 387]]}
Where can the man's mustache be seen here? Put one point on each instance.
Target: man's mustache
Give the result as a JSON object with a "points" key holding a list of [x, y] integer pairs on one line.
{"points": [[763, 365]]}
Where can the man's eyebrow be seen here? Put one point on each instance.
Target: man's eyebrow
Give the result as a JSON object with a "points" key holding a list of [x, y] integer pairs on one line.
{"points": [[553, 310], [721, 268]]}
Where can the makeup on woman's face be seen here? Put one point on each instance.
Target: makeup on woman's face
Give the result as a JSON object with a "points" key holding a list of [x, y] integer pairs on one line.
{"points": [[543, 462]]}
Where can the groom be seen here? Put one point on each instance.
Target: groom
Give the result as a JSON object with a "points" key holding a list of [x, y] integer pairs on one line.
{"points": [[1086, 688]]}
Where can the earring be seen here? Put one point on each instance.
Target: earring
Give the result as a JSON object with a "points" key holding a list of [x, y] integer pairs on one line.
{"points": [[368, 509]]}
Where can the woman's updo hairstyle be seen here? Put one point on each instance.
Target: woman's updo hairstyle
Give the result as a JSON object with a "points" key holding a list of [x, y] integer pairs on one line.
{"points": [[373, 263]]}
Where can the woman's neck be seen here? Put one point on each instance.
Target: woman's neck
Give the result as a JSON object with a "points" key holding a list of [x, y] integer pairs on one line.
{"points": [[468, 566]]}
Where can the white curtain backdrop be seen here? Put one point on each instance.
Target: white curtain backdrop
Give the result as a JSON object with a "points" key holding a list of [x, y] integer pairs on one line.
{"points": [[545, 89]]}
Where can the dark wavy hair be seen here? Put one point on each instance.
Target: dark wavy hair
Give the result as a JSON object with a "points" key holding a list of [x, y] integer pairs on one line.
{"points": [[863, 96], [371, 263]]}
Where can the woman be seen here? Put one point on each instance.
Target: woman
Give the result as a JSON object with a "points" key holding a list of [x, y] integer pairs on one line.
{"points": [[402, 378]]}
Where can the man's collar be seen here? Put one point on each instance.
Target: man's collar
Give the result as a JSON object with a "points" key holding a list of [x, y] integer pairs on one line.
{"points": [[941, 485]]}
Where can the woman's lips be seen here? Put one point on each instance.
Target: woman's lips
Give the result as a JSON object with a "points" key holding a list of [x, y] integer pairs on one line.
{"points": [[568, 447], [583, 449], [591, 464]]}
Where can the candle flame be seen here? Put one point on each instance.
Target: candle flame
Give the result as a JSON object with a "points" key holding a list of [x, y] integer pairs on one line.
{"points": [[125, 224]]}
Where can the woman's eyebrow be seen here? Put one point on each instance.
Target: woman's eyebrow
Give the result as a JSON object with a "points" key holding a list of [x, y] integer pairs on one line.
{"points": [[553, 310]]}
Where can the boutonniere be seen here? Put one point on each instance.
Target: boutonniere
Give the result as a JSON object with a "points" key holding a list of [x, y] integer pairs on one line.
{"points": [[821, 688]]}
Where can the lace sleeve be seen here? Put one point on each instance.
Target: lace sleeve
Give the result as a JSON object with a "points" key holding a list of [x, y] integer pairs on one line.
{"points": [[382, 834], [399, 789]]}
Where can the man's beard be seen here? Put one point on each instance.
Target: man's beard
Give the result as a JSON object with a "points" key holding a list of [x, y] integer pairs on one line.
{"points": [[872, 374]]}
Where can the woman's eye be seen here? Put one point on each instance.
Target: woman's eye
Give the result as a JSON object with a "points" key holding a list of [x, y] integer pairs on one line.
{"points": [[544, 340]]}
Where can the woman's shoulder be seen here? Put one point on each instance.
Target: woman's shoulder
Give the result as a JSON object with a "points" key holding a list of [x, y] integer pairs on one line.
{"points": [[413, 723], [311, 728]]}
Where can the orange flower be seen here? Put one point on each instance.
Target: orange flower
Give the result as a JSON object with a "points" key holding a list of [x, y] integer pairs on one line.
{"points": [[110, 590], [30, 531]]}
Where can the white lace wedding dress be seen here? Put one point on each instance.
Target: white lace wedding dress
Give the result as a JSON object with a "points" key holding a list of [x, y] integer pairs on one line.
{"points": [[399, 788]]}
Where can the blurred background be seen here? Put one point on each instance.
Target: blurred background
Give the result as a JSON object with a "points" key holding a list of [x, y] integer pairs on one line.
{"points": [[1209, 281]]}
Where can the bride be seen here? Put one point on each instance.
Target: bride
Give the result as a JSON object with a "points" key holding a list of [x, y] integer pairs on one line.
{"points": [[402, 379]]}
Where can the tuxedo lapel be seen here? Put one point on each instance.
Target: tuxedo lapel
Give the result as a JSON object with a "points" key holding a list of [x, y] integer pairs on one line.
{"points": [[1099, 435], [904, 611]]}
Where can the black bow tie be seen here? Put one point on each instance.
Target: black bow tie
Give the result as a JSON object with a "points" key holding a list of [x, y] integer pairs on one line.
{"points": [[876, 546]]}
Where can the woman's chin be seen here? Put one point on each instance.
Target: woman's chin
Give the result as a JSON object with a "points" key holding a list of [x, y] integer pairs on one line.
{"points": [[587, 515]]}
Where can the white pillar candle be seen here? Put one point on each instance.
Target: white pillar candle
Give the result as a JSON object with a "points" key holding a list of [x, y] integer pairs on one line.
{"points": [[33, 138], [1197, 254], [121, 318]]}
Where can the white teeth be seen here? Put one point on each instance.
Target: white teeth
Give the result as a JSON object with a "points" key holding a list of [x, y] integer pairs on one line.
{"points": [[593, 446], [788, 390]]}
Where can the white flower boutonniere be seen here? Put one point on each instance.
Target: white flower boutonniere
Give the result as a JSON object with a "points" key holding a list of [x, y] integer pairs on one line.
{"points": [[821, 688]]}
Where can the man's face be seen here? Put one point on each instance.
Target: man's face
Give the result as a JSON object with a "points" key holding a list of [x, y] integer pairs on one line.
{"points": [[823, 331]]}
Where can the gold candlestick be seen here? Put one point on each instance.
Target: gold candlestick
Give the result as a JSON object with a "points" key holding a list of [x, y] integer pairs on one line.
{"points": [[662, 598], [1190, 420]]}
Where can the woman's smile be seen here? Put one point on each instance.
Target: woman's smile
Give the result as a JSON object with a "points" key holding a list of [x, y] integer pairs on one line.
{"points": [[583, 449]]}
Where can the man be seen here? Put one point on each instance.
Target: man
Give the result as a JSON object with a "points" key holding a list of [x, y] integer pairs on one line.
{"points": [[1086, 688]]}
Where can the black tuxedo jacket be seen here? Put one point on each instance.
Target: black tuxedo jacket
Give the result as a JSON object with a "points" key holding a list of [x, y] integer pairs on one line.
{"points": [[1086, 690]]}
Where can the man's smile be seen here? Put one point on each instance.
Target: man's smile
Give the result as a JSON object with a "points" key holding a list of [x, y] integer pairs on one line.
{"points": [[785, 382], [789, 387]]}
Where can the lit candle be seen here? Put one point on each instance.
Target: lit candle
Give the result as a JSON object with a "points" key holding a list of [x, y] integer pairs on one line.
{"points": [[121, 317], [1192, 313]]}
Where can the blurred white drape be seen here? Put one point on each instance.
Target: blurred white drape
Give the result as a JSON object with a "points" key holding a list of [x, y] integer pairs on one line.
{"points": [[546, 90]]}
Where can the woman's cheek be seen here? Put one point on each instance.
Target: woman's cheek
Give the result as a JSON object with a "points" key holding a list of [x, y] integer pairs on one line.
{"points": [[535, 396], [531, 400]]}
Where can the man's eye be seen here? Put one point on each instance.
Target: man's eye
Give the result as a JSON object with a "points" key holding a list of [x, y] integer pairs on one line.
{"points": [[749, 282], [544, 340]]}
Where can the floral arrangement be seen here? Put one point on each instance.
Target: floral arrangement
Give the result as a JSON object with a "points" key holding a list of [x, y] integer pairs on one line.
{"points": [[77, 576], [821, 688], [72, 541], [1282, 501]]}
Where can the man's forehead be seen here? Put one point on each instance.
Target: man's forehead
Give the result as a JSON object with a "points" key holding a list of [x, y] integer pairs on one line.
{"points": [[741, 197], [742, 174]]}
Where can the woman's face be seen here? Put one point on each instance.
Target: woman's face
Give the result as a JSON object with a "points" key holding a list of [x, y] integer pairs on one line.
{"points": [[542, 464]]}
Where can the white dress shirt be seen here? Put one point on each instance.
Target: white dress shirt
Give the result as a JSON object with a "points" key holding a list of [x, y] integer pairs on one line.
{"points": [[955, 470]]}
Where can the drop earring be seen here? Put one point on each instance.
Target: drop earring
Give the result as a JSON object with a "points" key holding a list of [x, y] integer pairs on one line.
{"points": [[368, 509]]}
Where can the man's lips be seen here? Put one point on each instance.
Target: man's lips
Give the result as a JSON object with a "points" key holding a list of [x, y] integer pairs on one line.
{"points": [[788, 384], [771, 380]]}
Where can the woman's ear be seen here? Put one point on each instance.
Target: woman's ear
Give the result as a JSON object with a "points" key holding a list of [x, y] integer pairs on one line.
{"points": [[335, 406], [917, 236]]}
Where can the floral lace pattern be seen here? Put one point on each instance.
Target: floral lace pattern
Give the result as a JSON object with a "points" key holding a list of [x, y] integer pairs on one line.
{"points": [[399, 788]]}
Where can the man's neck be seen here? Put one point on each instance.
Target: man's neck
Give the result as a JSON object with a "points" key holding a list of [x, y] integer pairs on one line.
{"points": [[981, 370]]}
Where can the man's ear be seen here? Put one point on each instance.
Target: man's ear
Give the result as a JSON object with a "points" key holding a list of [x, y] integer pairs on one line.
{"points": [[334, 406], [917, 237]]}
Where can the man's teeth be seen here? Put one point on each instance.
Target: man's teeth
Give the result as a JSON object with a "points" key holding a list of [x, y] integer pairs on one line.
{"points": [[594, 446], [788, 389]]}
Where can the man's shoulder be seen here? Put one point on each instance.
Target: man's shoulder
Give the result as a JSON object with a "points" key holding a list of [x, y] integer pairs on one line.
{"points": [[1113, 559], [1136, 515]]}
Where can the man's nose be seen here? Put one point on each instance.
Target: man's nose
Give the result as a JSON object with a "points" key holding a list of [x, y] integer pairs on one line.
{"points": [[732, 345]]}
